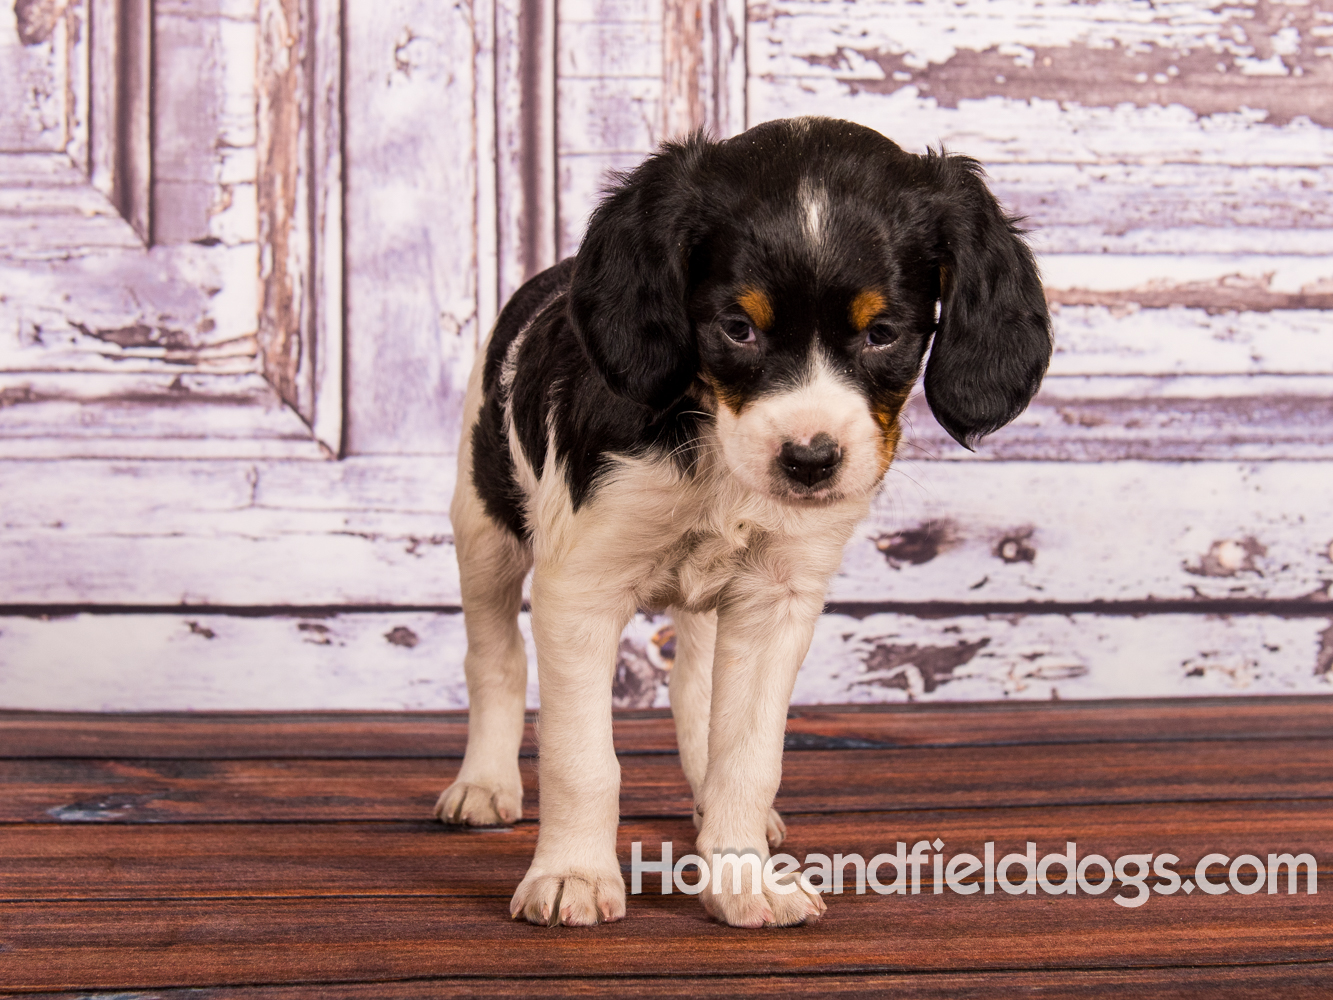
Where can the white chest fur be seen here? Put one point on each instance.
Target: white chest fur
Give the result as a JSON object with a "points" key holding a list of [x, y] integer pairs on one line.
{"points": [[675, 539]]}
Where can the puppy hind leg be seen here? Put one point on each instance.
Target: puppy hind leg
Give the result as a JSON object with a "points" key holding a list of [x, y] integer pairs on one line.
{"points": [[492, 563]]}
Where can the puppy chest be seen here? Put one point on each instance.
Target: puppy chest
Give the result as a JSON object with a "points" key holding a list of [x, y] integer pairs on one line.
{"points": [[692, 573]]}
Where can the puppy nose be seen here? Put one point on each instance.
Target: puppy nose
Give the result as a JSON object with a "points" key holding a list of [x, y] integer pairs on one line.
{"points": [[811, 463]]}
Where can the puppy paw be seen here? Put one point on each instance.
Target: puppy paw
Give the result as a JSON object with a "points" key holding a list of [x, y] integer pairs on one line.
{"points": [[766, 908], [577, 898], [467, 804]]}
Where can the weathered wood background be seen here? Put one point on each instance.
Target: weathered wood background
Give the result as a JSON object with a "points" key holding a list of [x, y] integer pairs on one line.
{"points": [[237, 309]]}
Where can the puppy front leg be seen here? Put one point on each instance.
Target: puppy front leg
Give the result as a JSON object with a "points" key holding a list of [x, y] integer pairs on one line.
{"points": [[575, 876], [691, 690], [764, 633]]}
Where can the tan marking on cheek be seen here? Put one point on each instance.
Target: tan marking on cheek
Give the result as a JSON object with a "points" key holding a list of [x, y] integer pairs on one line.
{"points": [[890, 433], [757, 307], [866, 306], [732, 401]]}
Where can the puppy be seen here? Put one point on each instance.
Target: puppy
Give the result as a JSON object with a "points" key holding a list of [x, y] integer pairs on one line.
{"points": [[693, 414]]}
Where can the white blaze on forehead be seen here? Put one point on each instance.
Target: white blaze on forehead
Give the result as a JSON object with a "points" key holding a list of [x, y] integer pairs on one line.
{"points": [[814, 208]]}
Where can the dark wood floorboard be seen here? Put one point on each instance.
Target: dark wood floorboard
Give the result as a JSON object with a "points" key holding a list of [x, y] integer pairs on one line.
{"points": [[1305, 981], [427, 859], [238, 735], [222, 941], [243, 857], [252, 790]]}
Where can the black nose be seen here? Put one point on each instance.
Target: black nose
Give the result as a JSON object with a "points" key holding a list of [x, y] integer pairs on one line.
{"points": [[811, 463]]}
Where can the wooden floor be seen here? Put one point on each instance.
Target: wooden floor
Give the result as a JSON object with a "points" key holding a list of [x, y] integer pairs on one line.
{"points": [[293, 857]]}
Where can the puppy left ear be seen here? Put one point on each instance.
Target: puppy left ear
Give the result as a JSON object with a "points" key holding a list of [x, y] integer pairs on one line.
{"points": [[627, 298], [993, 343]]}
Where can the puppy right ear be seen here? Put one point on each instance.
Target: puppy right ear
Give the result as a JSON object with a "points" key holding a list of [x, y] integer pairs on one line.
{"points": [[627, 299]]}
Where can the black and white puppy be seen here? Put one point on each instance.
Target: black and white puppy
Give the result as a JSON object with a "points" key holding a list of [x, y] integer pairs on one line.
{"points": [[693, 413]]}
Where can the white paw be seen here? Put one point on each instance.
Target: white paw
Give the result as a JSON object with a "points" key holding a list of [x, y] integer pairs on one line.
{"points": [[468, 804], [776, 830], [765, 908], [576, 898]]}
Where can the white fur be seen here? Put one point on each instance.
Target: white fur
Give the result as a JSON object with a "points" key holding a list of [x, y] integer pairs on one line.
{"points": [[814, 203], [821, 403], [744, 569]]}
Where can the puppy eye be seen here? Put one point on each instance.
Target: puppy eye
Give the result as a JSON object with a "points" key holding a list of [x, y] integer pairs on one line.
{"points": [[880, 335], [739, 331]]}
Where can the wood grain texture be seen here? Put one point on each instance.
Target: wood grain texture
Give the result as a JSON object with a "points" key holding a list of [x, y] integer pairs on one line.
{"points": [[1218, 282], [725, 69], [424, 859], [347, 735], [329, 534], [184, 180], [201, 791], [225, 941], [683, 98], [141, 311], [626, 77], [324, 360], [84, 296], [527, 110], [1093, 418], [204, 115], [35, 42], [1126, 339], [276, 908], [283, 198], [151, 416], [1022, 81], [1002, 130], [412, 660], [1206, 56], [1169, 207], [1253, 982], [410, 175]]}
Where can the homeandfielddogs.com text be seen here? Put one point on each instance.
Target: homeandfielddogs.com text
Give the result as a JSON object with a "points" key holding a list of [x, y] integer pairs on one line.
{"points": [[925, 868]]}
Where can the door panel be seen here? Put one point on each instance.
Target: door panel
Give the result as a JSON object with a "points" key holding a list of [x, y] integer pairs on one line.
{"points": [[152, 304], [1155, 524], [412, 163]]}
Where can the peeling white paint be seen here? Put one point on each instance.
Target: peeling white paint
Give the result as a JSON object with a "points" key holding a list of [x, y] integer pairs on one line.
{"points": [[413, 660]]}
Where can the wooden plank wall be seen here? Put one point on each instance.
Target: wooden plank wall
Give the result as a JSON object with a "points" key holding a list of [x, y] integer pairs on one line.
{"points": [[1156, 524], [145, 231], [204, 207], [609, 109]]}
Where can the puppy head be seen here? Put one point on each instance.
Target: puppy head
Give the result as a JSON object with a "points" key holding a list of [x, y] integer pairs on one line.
{"points": [[791, 279]]}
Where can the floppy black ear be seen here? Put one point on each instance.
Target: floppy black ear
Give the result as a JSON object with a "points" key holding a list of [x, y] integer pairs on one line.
{"points": [[627, 299], [993, 342]]}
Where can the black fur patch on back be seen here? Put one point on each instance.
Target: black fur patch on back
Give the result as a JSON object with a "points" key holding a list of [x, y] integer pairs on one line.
{"points": [[492, 465], [556, 387]]}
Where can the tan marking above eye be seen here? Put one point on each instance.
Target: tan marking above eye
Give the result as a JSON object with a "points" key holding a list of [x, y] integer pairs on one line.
{"points": [[757, 307], [866, 306]]}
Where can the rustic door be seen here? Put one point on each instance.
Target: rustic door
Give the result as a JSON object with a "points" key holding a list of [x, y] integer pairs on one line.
{"points": [[247, 249]]}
